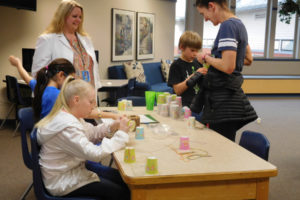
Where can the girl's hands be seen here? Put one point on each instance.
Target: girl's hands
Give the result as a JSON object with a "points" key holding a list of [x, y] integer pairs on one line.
{"points": [[123, 120], [115, 126]]}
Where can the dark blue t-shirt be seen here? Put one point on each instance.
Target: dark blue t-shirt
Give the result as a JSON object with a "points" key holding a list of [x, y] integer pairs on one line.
{"points": [[48, 99], [232, 35]]}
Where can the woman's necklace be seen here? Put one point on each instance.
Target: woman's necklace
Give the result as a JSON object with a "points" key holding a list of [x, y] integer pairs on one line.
{"points": [[78, 50]]}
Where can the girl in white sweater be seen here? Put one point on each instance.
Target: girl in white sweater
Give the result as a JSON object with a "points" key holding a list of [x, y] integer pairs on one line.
{"points": [[67, 141]]}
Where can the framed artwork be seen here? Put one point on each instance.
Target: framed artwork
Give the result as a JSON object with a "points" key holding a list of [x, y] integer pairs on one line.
{"points": [[122, 34], [145, 36]]}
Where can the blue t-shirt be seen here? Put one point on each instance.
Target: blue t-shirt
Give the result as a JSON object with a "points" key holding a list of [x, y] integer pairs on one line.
{"points": [[48, 99], [232, 35]]}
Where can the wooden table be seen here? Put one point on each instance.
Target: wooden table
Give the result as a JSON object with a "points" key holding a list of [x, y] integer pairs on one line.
{"points": [[218, 168]]}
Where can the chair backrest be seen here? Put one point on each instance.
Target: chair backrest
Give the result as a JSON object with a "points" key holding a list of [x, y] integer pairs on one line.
{"points": [[39, 188], [256, 142], [13, 91], [153, 73], [26, 118]]}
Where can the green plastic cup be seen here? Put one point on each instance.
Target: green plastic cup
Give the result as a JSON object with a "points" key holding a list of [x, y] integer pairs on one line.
{"points": [[150, 98]]}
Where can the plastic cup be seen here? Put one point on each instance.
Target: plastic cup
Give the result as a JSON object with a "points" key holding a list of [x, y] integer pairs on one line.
{"points": [[150, 98], [184, 143], [161, 99], [187, 112], [129, 155], [135, 123], [191, 122], [151, 166], [159, 108], [139, 133], [179, 101], [132, 125], [121, 105], [168, 99], [128, 105], [174, 97], [157, 94], [174, 111]]}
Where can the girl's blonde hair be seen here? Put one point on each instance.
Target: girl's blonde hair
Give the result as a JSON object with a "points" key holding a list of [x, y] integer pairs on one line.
{"points": [[62, 12], [70, 88]]}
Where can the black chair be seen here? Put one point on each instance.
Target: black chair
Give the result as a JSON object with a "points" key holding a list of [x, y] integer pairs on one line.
{"points": [[131, 94], [39, 188], [256, 142], [26, 118], [14, 96]]}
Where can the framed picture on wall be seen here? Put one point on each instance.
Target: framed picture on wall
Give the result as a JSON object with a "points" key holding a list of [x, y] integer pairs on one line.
{"points": [[123, 22], [145, 36]]}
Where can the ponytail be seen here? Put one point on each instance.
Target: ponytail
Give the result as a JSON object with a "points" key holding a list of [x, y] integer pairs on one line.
{"points": [[42, 81], [46, 74]]}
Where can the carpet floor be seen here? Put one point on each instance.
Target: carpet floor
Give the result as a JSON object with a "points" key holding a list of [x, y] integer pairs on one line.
{"points": [[280, 122]]}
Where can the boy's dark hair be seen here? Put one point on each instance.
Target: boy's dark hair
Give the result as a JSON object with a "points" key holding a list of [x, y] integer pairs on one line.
{"points": [[204, 3], [43, 77], [190, 39]]}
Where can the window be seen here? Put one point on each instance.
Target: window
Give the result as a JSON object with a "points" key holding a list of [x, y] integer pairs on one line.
{"points": [[253, 15], [287, 45], [179, 24], [276, 45], [285, 35], [209, 34]]}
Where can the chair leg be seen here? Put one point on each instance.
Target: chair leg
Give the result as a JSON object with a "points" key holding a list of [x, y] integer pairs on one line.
{"points": [[10, 109], [16, 129], [111, 161], [23, 197]]}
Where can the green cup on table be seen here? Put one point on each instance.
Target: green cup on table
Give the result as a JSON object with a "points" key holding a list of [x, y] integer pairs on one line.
{"points": [[150, 98]]}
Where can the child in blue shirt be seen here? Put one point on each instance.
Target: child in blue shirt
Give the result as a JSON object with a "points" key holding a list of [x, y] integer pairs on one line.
{"points": [[47, 85]]}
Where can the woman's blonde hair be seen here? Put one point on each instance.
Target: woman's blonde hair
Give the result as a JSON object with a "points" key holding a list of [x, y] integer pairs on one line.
{"points": [[62, 12], [70, 88]]}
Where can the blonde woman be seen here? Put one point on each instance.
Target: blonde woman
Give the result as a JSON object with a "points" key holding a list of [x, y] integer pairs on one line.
{"points": [[67, 141], [66, 38]]}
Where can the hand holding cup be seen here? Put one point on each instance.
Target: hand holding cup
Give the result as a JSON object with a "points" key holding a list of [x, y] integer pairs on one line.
{"points": [[124, 124]]}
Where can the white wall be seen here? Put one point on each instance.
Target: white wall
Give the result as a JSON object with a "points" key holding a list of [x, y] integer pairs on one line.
{"points": [[20, 29]]}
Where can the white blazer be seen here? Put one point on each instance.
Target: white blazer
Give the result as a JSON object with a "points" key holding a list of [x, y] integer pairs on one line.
{"points": [[51, 46]]}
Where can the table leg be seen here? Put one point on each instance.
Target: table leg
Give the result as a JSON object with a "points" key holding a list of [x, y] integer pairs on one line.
{"points": [[262, 189]]}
